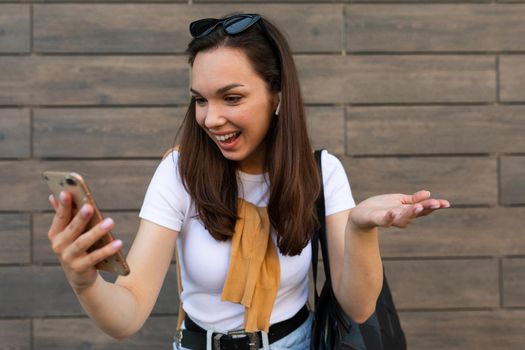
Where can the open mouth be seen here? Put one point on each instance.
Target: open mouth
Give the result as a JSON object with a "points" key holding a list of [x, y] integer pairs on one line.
{"points": [[228, 138]]}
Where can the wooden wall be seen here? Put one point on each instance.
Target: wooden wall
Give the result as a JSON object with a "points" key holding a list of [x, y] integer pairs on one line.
{"points": [[410, 95]]}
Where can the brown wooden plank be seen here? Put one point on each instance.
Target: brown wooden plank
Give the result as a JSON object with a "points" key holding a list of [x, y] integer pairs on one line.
{"points": [[434, 130], [122, 132], [441, 284], [15, 236], [397, 79], [15, 334], [14, 28], [106, 80], [163, 28], [436, 27], [39, 291], [514, 282], [326, 127], [512, 77], [126, 226], [458, 232], [115, 184], [15, 130], [461, 180], [55, 334], [512, 173], [459, 330]]}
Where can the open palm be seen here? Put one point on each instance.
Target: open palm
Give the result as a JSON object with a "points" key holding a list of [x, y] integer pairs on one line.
{"points": [[394, 209]]}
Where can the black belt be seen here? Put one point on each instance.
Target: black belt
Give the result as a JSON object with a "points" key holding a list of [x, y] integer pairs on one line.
{"points": [[194, 337]]}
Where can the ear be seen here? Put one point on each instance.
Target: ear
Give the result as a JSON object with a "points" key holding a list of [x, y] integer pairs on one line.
{"points": [[279, 96]]}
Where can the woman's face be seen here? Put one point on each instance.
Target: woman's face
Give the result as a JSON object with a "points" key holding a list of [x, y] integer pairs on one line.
{"points": [[233, 105]]}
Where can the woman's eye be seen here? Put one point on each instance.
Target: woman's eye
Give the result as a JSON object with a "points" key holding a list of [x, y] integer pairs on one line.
{"points": [[199, 100], [232, 99]]}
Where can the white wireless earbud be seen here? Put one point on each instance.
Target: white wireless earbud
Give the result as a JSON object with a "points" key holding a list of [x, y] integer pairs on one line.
{"points": [[278, 105]]}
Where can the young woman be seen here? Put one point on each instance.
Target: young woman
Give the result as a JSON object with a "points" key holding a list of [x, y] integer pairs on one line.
{"points": [[238, 197]]}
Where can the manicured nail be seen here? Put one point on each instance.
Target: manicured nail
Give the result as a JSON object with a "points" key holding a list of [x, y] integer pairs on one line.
{"points": [[106, 223], [116, 244], [85, 210], [63, 197]]}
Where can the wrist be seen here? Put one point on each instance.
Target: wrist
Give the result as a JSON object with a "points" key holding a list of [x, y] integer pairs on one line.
{"points": [[352, 228]]}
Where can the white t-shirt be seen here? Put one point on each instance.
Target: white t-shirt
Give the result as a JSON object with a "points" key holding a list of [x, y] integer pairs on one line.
{"points": [[204, 260]]}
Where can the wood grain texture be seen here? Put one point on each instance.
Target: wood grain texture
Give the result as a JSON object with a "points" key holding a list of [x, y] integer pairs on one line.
{"points": [[163, 28], [436, 27], [14, 28], [461, 180], [116, 184], [55, 334], [326, 127], [15, 131], [441, 284], [512, 78], [100, 133], [397, 79], [82, 80], [15, 334], [459, 330], [434, 130], [514, 282], [458, 232], [125, 229], [512, 173], [15, 235], [47, 293]]}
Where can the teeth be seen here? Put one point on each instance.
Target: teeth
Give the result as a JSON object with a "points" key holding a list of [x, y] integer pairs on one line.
{"points": [[223, 138]]}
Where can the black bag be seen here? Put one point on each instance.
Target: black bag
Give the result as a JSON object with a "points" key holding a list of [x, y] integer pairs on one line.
{"points": [[332, 328]]}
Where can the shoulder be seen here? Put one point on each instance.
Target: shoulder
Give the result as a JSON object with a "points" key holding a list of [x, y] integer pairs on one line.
{"points": [[330, 164]]}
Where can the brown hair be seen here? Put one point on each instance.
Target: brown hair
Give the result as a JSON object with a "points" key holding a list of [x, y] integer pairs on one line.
{"points": [[211, 179]]}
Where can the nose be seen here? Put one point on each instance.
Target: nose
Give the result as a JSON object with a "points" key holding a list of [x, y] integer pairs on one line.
{"points": [[214, 117]]}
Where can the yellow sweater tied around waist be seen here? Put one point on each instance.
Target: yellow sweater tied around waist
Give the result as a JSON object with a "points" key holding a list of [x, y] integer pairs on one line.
{"points": [[254, 271]]}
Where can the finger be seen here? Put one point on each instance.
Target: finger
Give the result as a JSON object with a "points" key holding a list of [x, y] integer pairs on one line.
{"points": [[53, 202], [416, 197], [86, 240], [62, 215], [74, 229], [88, 261], [420, 196]]}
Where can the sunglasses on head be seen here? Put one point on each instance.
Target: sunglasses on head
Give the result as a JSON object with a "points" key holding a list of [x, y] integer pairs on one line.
{"points": [[232, 25]]}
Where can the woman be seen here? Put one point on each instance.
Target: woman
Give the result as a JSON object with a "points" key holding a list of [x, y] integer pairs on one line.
{"points": [[238, 197]]}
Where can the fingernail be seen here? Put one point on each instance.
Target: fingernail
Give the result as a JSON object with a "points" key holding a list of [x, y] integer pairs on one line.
{"points": [[85, 210], [50, 198], [116, 244], [418, 210], [447, 205], [106, 223], [63, 197], [436, 206]]}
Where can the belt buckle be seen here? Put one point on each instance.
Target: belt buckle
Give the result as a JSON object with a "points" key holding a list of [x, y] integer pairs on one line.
{"points": [[252, 337]]}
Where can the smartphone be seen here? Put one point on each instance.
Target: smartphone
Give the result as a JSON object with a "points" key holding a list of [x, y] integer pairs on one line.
{"points": [[74, 184]]}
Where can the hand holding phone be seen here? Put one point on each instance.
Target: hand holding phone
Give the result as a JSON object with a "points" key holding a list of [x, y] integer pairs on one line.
{"points": [[79, 235]]}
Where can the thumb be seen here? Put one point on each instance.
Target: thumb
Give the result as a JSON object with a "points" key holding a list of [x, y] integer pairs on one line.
{"points": [[416, 197]]}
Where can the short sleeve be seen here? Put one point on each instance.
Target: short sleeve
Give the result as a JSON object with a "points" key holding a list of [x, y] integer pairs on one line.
{"points": [[166, 199], [337, 191]]}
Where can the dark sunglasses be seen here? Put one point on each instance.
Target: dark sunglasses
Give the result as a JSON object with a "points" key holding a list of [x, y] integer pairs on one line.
{"points": [[232, 25]]}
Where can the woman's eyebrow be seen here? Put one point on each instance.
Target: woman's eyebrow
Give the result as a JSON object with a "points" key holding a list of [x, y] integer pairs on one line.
{"points": [[221, 90]]}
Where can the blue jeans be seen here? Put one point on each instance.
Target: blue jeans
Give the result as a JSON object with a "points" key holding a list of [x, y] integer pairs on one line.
{"points": [[299, 339]]}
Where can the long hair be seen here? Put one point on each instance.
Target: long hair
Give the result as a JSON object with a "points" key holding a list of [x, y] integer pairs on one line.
{"points": [[211, 179]]}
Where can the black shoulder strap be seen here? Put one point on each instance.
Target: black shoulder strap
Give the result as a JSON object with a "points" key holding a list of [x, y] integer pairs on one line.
{"points": [[320, 235]]}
